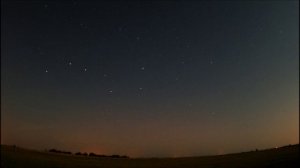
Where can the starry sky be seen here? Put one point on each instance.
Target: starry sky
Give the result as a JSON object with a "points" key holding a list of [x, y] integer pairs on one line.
{"points": [[150, 79]]}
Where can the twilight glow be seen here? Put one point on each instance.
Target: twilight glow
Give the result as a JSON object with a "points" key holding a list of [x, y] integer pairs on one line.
{"points": [[150, 79]]}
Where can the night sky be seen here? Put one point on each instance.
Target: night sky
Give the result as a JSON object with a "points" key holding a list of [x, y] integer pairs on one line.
{"points": [[150, 79]]}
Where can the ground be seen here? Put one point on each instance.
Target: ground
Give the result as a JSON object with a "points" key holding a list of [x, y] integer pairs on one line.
{"points": [[12, 157]]}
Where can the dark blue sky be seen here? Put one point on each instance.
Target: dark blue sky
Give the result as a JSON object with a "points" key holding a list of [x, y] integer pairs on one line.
{"points": [[148, 78]]}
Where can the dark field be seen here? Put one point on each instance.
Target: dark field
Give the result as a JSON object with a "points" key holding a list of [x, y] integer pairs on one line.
{"points": [[281, 157]]}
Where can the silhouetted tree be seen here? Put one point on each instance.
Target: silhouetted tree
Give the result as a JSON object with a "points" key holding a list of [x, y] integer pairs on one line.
{"points": [[53, 150], [58, 151], [69, 153], [115, 156], [92, 154], [78, 153]]}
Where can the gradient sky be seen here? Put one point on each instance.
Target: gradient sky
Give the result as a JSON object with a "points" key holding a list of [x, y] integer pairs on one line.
{"points": [[150, 79]]}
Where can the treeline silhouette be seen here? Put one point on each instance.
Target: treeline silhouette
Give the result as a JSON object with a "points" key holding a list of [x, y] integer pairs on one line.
{"points": [[59, 151], [86, 154]]}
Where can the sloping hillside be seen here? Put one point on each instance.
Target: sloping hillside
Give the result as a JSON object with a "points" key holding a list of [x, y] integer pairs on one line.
{"points": [[281, 157]]}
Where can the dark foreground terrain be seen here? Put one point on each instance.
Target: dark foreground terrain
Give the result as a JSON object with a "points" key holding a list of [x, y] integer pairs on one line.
{"points": [[281, 157]]}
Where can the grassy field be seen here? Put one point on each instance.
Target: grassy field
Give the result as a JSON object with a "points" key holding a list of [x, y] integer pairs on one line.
{"points": [[281, 157]]}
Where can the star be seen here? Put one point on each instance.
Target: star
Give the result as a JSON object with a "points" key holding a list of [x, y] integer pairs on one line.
{"points": [[70, 63], [85, 69], [211, 62], [105, 75], [46, 70], [142, 68], [140, 88], [138, 38], [110, 91]]}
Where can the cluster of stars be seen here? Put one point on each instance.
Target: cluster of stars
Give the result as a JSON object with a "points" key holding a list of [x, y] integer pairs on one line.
{"points": [[142, 68], [70, 64], [110, 91]]}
